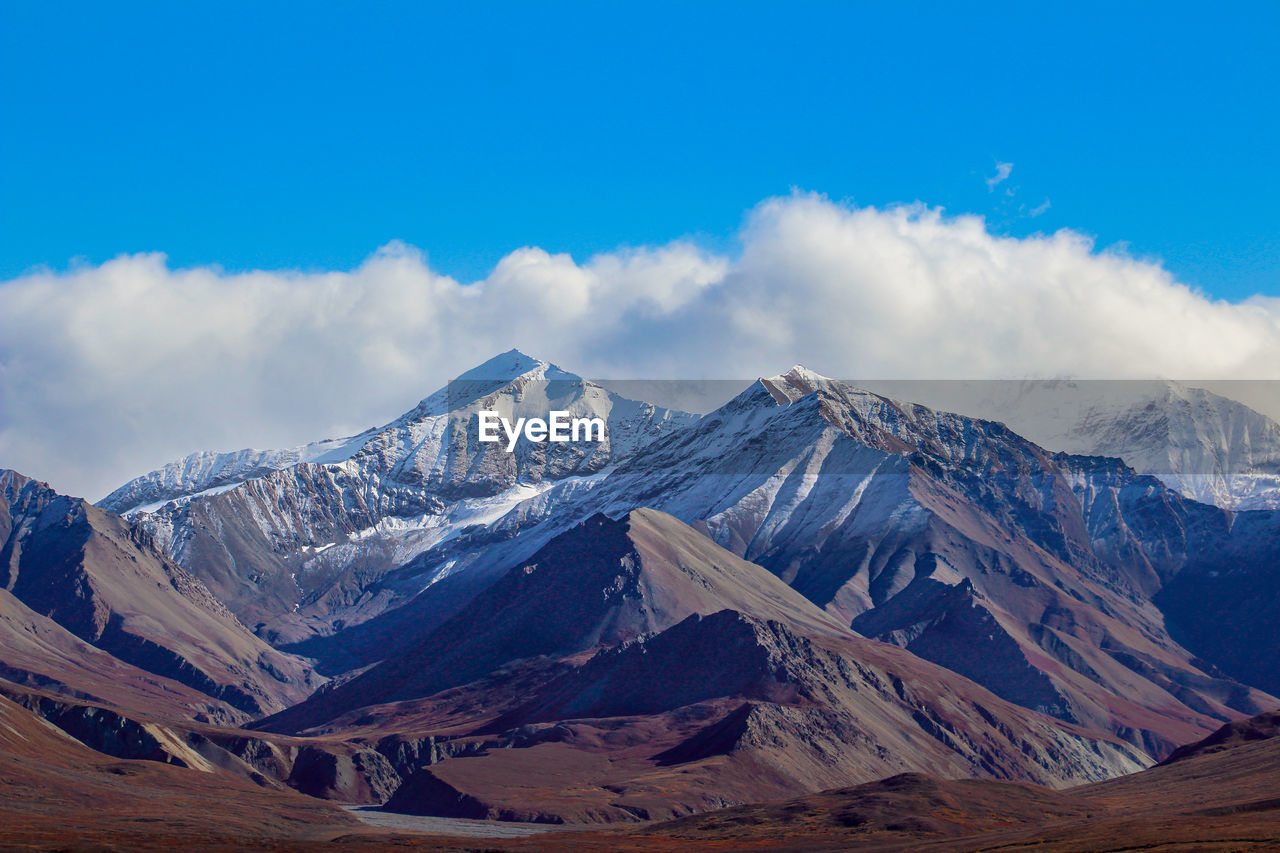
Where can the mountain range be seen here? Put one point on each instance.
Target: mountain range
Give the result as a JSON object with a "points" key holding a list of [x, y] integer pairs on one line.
{"points": [[1204, 445], [812, 587]]}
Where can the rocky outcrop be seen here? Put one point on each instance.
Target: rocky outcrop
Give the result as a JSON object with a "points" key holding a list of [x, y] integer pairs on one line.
{"points": [[345, 772], [359, 776], [424, 793]]}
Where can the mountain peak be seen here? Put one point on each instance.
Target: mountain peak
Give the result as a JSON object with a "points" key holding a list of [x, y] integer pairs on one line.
{"points": [[514, 364], [504, 366], [509, 369], [802, 377], [794, 384]]}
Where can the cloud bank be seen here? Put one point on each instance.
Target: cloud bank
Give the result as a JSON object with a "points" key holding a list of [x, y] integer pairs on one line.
{"points": [[108, 371]]}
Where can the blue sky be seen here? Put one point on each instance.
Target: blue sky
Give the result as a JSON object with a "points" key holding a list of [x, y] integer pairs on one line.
{"points": [[271, 135]]}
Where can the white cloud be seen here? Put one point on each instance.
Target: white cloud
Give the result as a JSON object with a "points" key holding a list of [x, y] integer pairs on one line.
{"points": [[111, 370], [1040, 209], [1003, 170]]}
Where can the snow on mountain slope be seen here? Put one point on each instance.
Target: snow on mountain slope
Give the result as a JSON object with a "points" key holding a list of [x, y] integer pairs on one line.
{"points": [[952, 536], [208, 472], [404, 446], [1207, 446], [305, 537]]}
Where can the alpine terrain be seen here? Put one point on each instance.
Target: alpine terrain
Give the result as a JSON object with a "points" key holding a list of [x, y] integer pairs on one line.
{"points": [[820, 612]]}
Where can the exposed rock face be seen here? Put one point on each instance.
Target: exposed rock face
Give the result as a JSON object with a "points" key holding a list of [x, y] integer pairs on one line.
{"points": [[1210, 572], [363, 776], [541, 608], [936, 529], [67, 566], [425, 793], [834, 587], [104, 730], [808, 703], [1032, 573], [345, 772]]}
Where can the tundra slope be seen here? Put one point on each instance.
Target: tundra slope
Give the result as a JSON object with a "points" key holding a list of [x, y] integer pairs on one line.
{"points": [[1213, 795], [88, 606], [56, 793]]}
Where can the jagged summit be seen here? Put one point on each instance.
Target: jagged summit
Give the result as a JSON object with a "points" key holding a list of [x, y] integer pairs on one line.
{"points": [[800, 382], [788, 387], [512, 370], [801, 379]]}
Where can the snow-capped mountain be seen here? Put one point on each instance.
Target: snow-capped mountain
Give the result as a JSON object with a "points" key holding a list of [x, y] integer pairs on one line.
{"points": [[433, 445], [308, 533], [954, 537], [1032, 573], [1208, 447]]}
